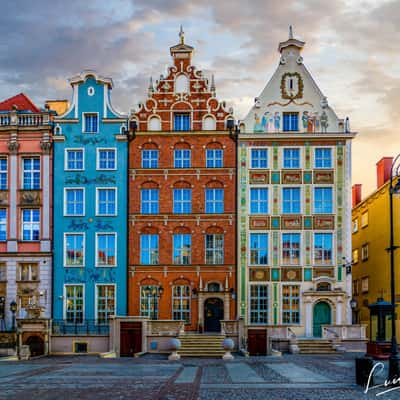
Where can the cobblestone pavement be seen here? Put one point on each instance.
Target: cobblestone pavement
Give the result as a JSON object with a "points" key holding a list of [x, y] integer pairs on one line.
{"points": [[293, 377]]}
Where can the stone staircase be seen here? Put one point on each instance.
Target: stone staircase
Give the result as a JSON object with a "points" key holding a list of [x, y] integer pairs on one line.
{"points": [[201, 345], [316, 346]]}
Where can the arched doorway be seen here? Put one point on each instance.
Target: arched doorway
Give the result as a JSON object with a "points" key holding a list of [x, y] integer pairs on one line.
{"points": [[36, 345], [322, 316], [213, 314]]}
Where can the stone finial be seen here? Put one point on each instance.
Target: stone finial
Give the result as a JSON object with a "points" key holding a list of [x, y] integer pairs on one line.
{"points": [[290, 32], [151, 86], [212, 87]]}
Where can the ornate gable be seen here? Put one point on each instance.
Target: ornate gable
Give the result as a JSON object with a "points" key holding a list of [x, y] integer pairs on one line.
{"points": [[183, 91]]}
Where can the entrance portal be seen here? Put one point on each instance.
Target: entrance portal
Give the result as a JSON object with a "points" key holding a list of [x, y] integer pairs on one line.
{"points": [[130, 338], [36, 345], [213, 313], [322, 316]]}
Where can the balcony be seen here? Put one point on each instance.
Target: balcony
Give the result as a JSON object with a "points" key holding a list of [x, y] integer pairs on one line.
{"points": [[16, 118], [86, 327]]}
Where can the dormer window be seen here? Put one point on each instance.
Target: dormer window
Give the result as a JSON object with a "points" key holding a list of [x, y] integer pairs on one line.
{"points": [[182, 122]]}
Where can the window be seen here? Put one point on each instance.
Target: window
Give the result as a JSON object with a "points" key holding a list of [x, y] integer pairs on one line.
{"points": [[181, 303], [154, 124], [182, 249], [182, 158], [365, 285], [354, 255], [74, 303], [323, 200], [74, 160], [105, 302], [209, 123], [214, 287], [182, 122], [324, 287], [215, 249], [3, 174], [259, 158], [355, 287], [3, 272], [290, 121], [258, 201], [74, 250], [149, 158], [258, 248], [214, 158], [90, 123], [290, 304], [355, 225], [149, 301], [181, 84], [291, 248], [106, 201], [364, 219], [323, 158], [258, 304], [214, 201], [31, 173], [74, 201], [291, 201], [291, 158], [149, 249], [182, 199], [30, 224], [106, 244], [364, 252], [323, 248], [149, 201], [28, 272], [106, 159], [3, 224]]}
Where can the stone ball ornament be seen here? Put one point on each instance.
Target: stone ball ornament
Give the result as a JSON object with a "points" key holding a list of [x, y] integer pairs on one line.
{"points": [[228, 344], [174, 344]]}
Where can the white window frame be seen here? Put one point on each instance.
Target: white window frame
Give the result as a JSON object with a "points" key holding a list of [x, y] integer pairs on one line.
{"points": [[268, 199], [65, 301], [214, 249], [96, 249], [65, 248], [30, 264], [98, 158], [282, 157], [82, 149], [298, 186], [180, 309], [300, 250], [31, 224], [333, 249], [97, 201], [65, 201], [149, 159], [84, 121], [268, 303], [96, 296], [5, 172], [268, 248], [5, 224], [332, 156], [30, 157], [333, 198], [291, 310], [250, 158]]}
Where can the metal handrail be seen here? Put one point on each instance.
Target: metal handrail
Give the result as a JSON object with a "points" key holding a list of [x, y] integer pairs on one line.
{"points": [[84, 327]]}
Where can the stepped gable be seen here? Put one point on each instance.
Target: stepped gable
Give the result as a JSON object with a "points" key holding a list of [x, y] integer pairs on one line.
{"points": [[21, 101], [185, 89]]}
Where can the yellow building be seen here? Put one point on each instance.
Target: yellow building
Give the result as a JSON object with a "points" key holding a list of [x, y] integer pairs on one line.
{"points": [[371, 238]]}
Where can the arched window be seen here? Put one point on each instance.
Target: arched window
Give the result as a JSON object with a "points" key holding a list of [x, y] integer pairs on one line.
{"points": [[154, 124], [181, 84], [209, 123], [323, 287]]}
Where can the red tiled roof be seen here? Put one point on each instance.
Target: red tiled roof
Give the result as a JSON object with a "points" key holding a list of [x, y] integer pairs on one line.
{"points": [[22, 101]]}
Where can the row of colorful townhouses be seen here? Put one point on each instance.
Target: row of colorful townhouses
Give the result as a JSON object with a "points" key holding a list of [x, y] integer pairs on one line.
{"points": [[126, 230]]}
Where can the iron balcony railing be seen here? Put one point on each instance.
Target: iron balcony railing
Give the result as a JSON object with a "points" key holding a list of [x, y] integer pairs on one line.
{"points": [[84, 327]]}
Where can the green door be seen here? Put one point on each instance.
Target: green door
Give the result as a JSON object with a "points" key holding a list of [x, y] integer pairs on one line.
{"points": [[322, 316]]}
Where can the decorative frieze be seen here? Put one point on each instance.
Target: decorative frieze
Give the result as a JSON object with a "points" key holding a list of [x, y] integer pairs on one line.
{"points": [[259, 275], [322, 222], [292, 223], [291, 274], [259, 223], [291, 177], [259, 177], [324, 177]]}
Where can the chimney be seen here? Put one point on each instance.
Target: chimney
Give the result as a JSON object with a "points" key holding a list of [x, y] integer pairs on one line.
{"points": [[383, 170], [356, 194]]}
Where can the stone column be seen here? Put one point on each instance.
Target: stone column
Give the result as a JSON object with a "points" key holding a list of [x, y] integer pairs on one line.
{"points": [[309, 331], [339, 311], [226, 306], [200, 309], [45, 217], [11, 293], [13, 171]]}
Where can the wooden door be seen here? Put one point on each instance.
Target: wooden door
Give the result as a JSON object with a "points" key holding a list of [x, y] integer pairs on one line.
{"points": [[321, 316], [130, 338], [213, 314], [257, 342]]}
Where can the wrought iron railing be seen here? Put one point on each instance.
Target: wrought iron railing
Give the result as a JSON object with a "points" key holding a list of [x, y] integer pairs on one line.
{"points": [[85, 327]]}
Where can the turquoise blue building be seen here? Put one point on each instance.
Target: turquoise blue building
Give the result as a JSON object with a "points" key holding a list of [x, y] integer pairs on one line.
{"points": [[90, 206]]}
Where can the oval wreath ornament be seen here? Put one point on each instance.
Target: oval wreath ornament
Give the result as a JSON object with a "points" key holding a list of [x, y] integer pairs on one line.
{"points": [[284, 93]]}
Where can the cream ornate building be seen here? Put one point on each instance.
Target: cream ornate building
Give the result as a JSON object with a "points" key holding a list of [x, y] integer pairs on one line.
{"points": [[294, 207]]}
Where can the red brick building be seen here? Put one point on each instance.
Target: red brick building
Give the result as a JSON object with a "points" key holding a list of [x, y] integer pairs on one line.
{"points": [[182, 226]]}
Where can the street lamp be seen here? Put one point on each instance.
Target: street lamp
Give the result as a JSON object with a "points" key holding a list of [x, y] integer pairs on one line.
{"points": [[394, 359], [13, 309]]}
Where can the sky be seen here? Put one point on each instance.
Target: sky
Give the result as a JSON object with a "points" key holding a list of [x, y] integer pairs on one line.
{"points": [[352, 51]]}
